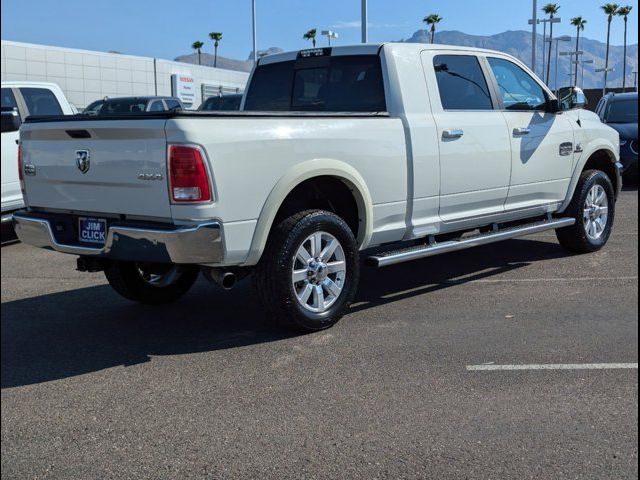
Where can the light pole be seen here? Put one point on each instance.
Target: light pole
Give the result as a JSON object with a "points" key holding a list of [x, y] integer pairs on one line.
{"points": [[534, 34], [544, 22], [577, 60], [365, 21], [329, 34], [582, 62], [563, 38], [605, 71], [255, 44], [635, 80]]}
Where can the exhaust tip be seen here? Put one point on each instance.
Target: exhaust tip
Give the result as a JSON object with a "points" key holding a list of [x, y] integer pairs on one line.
{"points": [[228, 280]]}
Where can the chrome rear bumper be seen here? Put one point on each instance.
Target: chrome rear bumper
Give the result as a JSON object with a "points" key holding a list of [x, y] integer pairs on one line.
{"points": [[197, 244]]}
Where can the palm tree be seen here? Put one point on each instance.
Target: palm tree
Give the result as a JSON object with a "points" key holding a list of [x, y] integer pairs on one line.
{"points": [[610, 9], [550, 9], [579, 23], [311, 35], [432, 20], [624, 13], [197, 46], [216, 37]]}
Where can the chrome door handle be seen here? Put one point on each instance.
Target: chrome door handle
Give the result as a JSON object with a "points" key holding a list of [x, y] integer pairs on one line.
{"points": [[521, 131], [452, 133]]}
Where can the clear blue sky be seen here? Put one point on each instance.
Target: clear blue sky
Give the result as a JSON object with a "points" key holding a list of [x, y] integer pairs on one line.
{"points": [[165, 29]]}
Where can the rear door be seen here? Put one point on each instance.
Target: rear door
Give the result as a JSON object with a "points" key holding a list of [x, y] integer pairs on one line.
{"points": [[98, 166], [475, 157], [11, 194], [542, 143]]}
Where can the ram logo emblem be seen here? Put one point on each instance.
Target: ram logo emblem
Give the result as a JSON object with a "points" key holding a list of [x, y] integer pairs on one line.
{"points": [[83, 160]]}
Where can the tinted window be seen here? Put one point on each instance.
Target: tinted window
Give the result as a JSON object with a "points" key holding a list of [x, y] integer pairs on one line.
{"points": [[173, 104], [461, 83], [8, 99], [41, 101], [123, 105], [622, 111], [94, 107], [224, 103], [157, 106], [518, 89], [327, 84]]}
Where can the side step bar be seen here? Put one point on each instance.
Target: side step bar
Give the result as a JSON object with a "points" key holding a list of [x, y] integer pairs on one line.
{"points": [[414, 253]]}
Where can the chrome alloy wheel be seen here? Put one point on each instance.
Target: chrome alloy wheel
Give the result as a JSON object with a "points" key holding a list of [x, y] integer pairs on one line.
{"points": [[319, 272], [159, 278], [596, 212]]}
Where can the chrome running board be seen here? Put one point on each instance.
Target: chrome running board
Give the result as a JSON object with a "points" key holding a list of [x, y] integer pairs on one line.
{"points": [[497, 235]]}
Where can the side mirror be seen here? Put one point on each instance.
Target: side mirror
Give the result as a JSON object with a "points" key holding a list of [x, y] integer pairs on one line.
{"points": [[10, 120], [570, 98]]}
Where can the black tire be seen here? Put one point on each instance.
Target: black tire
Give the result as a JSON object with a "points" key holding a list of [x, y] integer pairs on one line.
{"points": [[272, 276], [575, 238], [126, 279]]}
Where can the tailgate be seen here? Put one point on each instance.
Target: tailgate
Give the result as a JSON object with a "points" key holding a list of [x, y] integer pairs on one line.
{"points": [[103, 166]]}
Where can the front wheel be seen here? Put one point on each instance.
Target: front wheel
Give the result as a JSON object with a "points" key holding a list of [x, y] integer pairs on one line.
{"points": [[309, 272], [593, 207], [151, 283]]}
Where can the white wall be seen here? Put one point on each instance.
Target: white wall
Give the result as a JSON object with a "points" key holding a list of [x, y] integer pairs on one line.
{"points": [[85, 76]]}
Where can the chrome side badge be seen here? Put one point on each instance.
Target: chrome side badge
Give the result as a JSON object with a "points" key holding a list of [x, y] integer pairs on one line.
{"points": [[83, 160], [150, 176], [566, 149]]}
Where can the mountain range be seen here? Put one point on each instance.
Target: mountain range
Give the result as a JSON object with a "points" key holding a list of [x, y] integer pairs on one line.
{"points": [[516, 43]]}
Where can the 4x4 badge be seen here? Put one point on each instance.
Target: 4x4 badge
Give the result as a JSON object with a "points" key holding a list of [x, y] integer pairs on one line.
{"points": [[83, 160]]}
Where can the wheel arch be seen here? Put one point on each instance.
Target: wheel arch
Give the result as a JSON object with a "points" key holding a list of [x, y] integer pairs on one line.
{"points": [[601, 158], [313, 170]]}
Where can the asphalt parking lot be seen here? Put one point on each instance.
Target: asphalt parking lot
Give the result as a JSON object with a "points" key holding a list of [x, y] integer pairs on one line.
{"points": [[96, 387]]}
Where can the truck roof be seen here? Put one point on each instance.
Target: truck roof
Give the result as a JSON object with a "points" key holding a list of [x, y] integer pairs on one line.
{"points": [[374, 48]]}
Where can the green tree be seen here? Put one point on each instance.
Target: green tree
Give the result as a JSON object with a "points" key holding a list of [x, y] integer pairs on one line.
{"points": [[216, 37], [432, 21], [197, 46], [579, 23], [550, 9], [610, 9], [624, 13], [311, 35]]}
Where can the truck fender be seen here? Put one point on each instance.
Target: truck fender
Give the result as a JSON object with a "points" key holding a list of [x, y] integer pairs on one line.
{"points": [[298, 174], [588, 151]]}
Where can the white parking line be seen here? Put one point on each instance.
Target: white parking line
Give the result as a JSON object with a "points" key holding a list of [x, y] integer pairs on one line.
{"points": [[555, 366]]}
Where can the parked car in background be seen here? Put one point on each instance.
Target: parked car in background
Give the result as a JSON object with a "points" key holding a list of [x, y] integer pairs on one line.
{"points": [[395, 152], [19, 100], [128, 105], [620, 111], [225, 103]]}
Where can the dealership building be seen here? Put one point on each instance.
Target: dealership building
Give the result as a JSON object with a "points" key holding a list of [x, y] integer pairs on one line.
{"points": [[85, 76]]}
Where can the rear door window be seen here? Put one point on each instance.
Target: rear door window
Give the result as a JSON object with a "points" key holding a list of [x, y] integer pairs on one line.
{"points": [[156, 106], [322, 84], [173, 104], [41, 101], [461, 83], [8, 99]]}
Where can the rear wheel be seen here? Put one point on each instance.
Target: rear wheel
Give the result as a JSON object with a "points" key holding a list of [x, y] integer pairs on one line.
{"points": [[151, 283], [593, 207], [309, 272]]}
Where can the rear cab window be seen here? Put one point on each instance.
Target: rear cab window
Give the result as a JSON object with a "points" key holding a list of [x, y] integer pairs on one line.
{"points": [[41, 101], [461, 83], [351, 83]]}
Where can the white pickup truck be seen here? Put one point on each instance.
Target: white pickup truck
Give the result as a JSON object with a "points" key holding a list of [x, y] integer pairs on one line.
{"points": [[19, 100], [388, 153]]}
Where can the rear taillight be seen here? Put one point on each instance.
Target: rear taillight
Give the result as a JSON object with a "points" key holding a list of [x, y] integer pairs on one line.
{"points": [[20, 168], [188, 176]]}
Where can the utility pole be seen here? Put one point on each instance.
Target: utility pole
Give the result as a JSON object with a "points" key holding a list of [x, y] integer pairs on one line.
{"points": [[255, 44], [365, 22], [534, 34]]}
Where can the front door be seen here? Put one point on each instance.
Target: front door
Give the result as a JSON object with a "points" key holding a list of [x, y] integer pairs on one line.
{"points": [[475, 166], [542, 143]]}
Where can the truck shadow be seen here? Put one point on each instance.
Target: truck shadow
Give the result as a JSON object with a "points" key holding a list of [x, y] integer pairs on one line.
{"points": [[75, 332]]}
